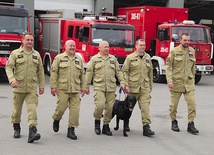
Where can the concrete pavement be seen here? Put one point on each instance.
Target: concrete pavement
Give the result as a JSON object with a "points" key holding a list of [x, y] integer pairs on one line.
{"points": [[164, 142]]}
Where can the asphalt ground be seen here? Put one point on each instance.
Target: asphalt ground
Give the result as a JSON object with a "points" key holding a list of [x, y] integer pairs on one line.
{"points": [[164, 142]]}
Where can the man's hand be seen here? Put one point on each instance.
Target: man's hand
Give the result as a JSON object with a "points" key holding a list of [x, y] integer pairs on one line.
{"points": [[122, 86], [170, 85], [53, 91], [14, 84], [41, 91], [83, 92], [127, 90], [87, 91]]}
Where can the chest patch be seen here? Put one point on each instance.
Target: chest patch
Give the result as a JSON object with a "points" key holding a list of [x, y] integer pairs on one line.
{"points": [[20, 56], [63, 60]]}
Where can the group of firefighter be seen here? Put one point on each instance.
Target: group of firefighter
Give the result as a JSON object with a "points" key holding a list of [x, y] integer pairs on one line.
{"points": [[69, 81]]}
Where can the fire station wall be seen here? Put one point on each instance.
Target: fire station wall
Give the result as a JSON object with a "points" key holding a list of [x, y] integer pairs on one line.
{"points": [[107, 5], [175, 3], [29, 5], [77, 5]]}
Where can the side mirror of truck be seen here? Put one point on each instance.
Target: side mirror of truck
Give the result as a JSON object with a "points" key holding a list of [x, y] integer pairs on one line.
{"points": [[36, 26], [174, 37]]}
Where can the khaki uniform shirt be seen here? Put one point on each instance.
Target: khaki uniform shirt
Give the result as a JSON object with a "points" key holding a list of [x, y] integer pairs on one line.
{"points": [[104, 72], [26, 68], [138, 73], [180, 69], [67, 73]]}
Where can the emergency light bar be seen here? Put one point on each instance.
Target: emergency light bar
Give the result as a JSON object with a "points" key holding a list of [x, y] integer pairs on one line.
{"points": [[188, 22], [103, 18]]}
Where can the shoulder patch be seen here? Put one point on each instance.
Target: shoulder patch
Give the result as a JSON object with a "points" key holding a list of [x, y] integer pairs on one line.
{"points": [[76, 60], [34, 56], [111, 60], [147, 59]]}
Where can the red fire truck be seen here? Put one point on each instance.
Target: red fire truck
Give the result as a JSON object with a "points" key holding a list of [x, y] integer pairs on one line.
{"points": [[161, 28], [14, 22], [57, 28]]}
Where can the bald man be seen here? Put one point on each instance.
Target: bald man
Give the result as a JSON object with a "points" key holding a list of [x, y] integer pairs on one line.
{"points": [[67, 81], [103, 68]]}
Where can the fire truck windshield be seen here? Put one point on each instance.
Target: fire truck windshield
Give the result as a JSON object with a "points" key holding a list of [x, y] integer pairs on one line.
{"points": [[116, 37], [13, 24], [197, 34]]}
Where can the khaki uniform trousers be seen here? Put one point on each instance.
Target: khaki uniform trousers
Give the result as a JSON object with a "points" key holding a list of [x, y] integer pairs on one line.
{"points": [[103, 100], [144, 100], [190, 99], [65, 100], [31, 100]]}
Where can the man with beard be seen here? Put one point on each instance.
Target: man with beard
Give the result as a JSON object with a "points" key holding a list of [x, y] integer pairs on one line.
{"points": [[180, 74]]}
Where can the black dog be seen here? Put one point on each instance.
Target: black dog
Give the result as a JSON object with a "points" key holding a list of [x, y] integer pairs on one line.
{"points": [[123, 111]]}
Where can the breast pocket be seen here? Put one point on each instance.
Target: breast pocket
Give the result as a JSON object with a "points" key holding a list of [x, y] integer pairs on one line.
{"points": [[63, 68], [134, 66], [98, 69], [19, 62], [178, 62], [20, 66]]}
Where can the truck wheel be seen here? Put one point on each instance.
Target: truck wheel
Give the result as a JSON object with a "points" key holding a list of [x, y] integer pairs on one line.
{"points": [[197, 78], [157, 78], [47, 67]]}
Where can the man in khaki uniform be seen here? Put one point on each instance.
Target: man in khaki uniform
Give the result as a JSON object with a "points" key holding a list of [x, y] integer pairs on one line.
{"points": [[180, 74], [23, 68], [67, 81], [102, 68], [138, 74]]}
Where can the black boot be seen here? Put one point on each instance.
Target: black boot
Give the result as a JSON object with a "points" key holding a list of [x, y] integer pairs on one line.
{"points": [[71, 133], [97, 127], [127, 127], [17, 130], [175, 126], [33, 135], [191, 128], [147, 131], [106, 130], [56, 126]]}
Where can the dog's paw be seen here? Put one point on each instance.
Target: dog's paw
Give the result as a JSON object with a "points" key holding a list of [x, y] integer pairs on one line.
{"points": [[116, 128]]}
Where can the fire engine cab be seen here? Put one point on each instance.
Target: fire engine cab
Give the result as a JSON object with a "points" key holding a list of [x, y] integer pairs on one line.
{"points": [[57, 28], [14, 23], [161, 28]]}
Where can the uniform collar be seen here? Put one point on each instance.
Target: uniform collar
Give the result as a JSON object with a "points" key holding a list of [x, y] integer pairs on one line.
{"points": [[136, 55], [65, 55], [182, 49], [100, 56], [22, 49]]}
